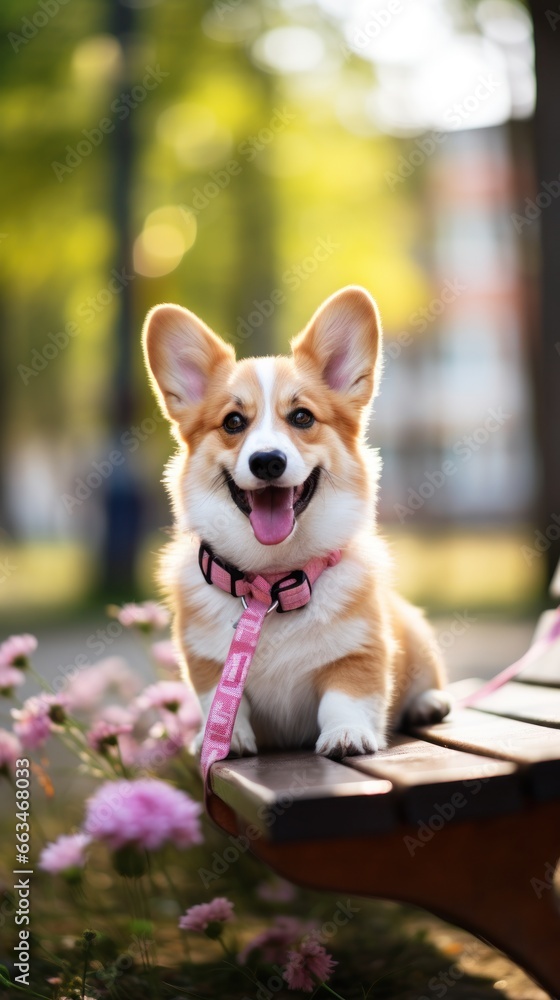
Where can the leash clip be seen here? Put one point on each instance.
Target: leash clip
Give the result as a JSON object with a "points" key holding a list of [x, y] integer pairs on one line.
{"points": [[272, 607]]}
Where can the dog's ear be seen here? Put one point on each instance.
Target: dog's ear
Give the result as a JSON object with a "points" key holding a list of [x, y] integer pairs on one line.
{"points": [[342, 341], [182, 355]]}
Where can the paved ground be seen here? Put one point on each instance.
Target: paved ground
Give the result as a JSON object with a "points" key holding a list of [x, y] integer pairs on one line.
{"points": [[472, 647]]}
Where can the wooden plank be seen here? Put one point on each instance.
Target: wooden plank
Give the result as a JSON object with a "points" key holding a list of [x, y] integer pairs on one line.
{"points": [[525, 702], [301, 796], [433, 781], [535, 749]]}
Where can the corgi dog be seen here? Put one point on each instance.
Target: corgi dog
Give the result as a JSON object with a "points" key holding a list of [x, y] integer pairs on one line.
{"points": [[273, 471]]}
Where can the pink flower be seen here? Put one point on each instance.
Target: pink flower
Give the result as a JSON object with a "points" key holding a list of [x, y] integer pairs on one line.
{"points": [[183, 725], [10, 750], [14, 652], [276, 941], [146, 616], [165, 694], [309, 960], [179, 711], [146, 813], [87, 688], [117, 715], [105, 734], [198, 917], [37, 718], [154, 752], [10, 677], [278, 891], [167, 655], [64, 854]]}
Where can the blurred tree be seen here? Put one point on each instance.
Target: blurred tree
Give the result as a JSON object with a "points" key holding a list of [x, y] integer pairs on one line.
{"points": [[547, 138], [123, 493]]}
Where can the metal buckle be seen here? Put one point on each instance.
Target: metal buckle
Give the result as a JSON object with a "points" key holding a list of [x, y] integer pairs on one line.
{"points": [[272, 607], [291, 582]]}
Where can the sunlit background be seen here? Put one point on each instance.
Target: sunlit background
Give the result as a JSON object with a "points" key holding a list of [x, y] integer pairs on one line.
{"points": [[246, 158]]}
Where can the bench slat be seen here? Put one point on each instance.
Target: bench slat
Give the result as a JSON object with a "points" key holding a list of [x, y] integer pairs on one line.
{"points": [[536, 749], [525, 702], [301, 796], [432, 780]]}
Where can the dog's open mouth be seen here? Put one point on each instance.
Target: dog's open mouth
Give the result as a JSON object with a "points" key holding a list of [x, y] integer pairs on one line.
{"points": [[272, 510]]}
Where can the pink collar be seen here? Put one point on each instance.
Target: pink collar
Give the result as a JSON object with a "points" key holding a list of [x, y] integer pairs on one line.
{"points": [[260, 594], [279, 591]]}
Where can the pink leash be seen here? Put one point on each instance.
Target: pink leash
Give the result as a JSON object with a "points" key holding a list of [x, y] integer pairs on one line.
{"points": [[260, 595], [532, 654]]}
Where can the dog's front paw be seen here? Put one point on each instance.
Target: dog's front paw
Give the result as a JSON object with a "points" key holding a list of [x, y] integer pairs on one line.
{"points": [[243, 741], [346, 741], [428, 708]]}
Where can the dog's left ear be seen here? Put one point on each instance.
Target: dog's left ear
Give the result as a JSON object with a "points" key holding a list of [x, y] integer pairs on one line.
{"points": [[342, 340]]}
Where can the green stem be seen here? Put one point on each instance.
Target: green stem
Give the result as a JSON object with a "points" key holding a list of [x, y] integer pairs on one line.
{"points": [[244, 972], [23, 989], [86, 961], [124, 769], [41, 681], [334, 994]]}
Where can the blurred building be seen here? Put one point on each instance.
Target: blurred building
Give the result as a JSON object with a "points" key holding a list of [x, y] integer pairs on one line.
{"points": [[454, 416]]}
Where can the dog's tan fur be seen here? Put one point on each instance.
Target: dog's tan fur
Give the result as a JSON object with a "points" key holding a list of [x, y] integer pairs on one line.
{"points": [[390, 665]]}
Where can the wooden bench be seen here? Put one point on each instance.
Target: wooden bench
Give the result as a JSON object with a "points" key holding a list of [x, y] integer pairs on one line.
{"points": [[461, 818]]}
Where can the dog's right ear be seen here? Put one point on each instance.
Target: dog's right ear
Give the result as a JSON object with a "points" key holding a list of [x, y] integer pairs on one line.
{"points": [[182, 354]]}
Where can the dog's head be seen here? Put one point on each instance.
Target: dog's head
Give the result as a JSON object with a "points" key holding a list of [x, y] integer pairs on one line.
{"points": [[275, 469]]}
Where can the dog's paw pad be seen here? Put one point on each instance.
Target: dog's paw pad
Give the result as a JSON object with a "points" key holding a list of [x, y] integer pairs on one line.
{"points": [[428, 708], [345, 741]]}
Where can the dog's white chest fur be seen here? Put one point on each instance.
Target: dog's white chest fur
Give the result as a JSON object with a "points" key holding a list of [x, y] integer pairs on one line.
{"points": [[292, 646]]}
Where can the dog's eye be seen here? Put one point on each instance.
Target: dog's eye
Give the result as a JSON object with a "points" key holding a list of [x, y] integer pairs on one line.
{"points": [[234, 423], [301, 418]]}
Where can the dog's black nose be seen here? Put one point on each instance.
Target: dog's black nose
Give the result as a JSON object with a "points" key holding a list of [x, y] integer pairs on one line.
{"points": [[268, 464]]}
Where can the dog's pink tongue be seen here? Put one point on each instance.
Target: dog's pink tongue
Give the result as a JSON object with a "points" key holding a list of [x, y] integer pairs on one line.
{"points": [[272, 513]]}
